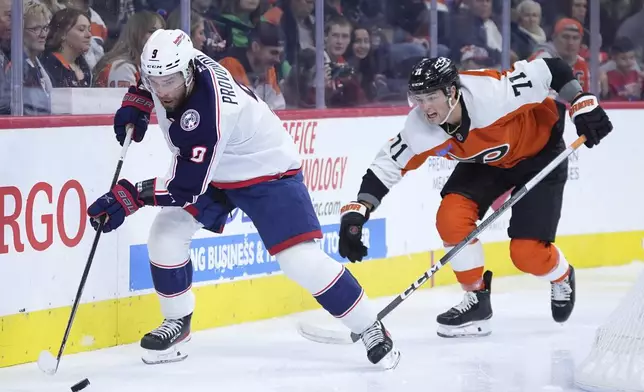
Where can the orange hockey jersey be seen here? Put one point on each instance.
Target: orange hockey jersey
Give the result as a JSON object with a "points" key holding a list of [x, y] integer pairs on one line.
{"points": [[507, 116]]}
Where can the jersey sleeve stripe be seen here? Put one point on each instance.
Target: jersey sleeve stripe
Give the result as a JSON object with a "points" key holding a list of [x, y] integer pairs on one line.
{"points": [[211, 164], [174, 170], [417, 160], [488, 72], [256, 180]]}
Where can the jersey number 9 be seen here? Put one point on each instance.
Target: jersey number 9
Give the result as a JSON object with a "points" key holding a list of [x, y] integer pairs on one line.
{"points": [[198, 154]]}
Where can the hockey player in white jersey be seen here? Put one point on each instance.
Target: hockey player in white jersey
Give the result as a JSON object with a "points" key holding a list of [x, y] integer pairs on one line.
{"points": [[502, 129], [230, 151]]}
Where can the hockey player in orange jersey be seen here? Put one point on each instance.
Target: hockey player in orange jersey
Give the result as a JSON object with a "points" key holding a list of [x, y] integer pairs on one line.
{"points": [[503, 129]]}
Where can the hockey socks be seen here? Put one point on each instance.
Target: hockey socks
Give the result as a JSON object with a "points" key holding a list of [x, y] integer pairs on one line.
{"points": [[341, 296], [173, 283]]}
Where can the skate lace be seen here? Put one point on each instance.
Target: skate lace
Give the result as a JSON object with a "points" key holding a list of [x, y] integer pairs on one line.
{"points": [[560, 291], [469, 300], [373, 336], [168, 328]]}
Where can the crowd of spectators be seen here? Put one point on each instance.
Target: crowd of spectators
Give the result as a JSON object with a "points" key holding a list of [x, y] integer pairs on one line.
{"points": [[269, 45]]}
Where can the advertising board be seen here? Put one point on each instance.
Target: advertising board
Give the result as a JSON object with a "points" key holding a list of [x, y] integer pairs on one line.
{"points": [[49, 175]]}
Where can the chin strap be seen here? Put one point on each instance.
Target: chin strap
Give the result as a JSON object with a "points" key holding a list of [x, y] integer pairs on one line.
{"points": [[451, 107]]}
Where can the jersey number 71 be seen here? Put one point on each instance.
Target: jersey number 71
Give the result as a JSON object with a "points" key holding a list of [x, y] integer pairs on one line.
{"points": [[517, 86], [399, 145]]}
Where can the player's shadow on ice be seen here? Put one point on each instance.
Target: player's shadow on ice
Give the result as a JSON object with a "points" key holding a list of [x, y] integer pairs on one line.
{"points": [[304, 357], [501, 335]]}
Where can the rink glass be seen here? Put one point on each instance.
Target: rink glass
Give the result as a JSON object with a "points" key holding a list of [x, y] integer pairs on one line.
{"points": [[323, 76]]}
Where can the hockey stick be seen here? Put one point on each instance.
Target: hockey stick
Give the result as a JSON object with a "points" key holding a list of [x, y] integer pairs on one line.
{"points": [[321, 335], [46, 362]]}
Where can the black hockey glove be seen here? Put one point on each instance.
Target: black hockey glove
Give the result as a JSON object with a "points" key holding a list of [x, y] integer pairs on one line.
{"points": [[135, 109], [590, 119], [353, 216]]}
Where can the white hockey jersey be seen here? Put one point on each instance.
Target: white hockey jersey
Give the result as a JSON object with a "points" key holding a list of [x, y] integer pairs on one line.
{"points": [[223, 135]]}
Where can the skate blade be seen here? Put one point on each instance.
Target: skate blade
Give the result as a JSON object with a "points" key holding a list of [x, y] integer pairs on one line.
{"points": [[391, 360], [175, 353], [472, 329]]}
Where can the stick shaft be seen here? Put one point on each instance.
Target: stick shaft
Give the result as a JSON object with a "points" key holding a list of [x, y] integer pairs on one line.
{"points": [[92, 252]]}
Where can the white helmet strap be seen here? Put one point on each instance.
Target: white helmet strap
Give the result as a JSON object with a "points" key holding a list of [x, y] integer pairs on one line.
{"points": [[452, 105]]}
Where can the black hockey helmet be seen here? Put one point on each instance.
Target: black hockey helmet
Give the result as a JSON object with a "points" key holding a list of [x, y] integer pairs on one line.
{"points": [[431, 74]]}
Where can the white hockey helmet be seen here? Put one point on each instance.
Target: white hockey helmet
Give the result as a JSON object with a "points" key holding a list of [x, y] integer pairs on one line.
{"points": [[166, 60]]}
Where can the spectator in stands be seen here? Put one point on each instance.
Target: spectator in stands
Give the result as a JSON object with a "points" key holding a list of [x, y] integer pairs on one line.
{"points": [[409, 37], [299, 85], [214, 46], [53, 5], [5, 56], [337, 37], [297, 21], [120, 66], [115, 14], [342, 82], [342, 85], [578, 10], [161, 7], [476, 27], [527, 34], [612, 13], [624, 82], [473, 57], [5, 34], [98, 29], [360, 56], [37, 83], [68, 40], [197, 33], [333, 8], [238, 17], [366, 13], [353, 10], [633, 29], [566, 43], [254, 66]]}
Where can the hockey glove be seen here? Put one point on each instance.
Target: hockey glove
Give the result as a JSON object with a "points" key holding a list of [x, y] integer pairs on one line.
{"points": [[135, 109], [121, 201], [353, 216], [590, 119]]}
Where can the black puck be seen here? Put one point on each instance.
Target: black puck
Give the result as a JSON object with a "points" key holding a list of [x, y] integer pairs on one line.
{"points": [[80, 385]]}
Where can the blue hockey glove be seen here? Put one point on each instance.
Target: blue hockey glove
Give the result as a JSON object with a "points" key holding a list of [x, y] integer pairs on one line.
{"points": [[121, 201], [135, 109]]}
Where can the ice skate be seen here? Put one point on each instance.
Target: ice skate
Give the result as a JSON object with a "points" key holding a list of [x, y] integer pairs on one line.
{"points": [[164, 344], [562, 297], [380, 347], [471, 317]]}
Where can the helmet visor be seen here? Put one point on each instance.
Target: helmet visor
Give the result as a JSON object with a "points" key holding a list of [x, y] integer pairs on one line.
{"points": [[164, 85], [426, 98]]}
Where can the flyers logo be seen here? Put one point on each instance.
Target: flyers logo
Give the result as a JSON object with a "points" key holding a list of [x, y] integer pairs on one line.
{"points": [[489, 155], [581, 77]]}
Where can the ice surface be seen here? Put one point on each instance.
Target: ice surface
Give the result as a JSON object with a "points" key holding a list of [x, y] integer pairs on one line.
{"points": [[527, 351]]}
